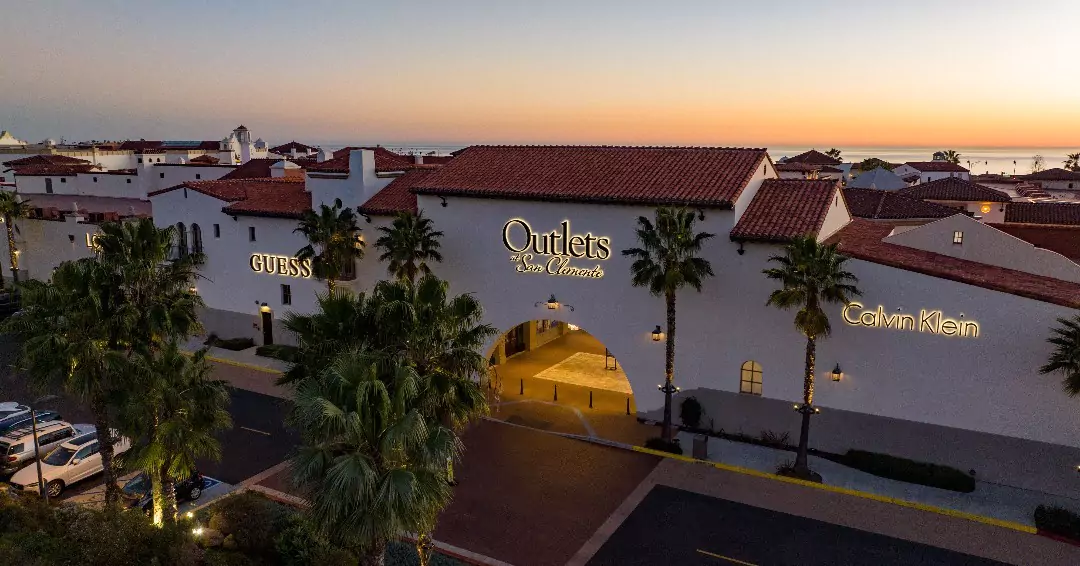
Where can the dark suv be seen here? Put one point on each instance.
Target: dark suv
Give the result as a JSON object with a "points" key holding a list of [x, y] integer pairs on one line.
{"points": [[137, 491]]}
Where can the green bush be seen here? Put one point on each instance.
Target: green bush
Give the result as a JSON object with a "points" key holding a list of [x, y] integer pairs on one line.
{"points": [[281, 352], [217, 557], [234, 344], [690, 412], [660, 444], [1058, 521], [911, 471], [253, 520]]}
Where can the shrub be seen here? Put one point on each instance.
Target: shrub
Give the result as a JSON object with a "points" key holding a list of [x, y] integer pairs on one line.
{"points": [[911, 471], [253, 520], [661, 444], [215, 557], [399, 553], [779, 440], [1058, 521], [234, 344], [690, 412], [281, 352]]}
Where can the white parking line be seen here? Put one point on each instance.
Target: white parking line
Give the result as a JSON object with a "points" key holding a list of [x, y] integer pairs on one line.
{"points": [[256, 430]]}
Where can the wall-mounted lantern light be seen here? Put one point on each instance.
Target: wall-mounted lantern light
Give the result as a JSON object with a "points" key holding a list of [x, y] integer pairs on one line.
{"points": [[193, 290], [264, 308], [71, 238], [553, 304], [657, 334], [837, 374]]}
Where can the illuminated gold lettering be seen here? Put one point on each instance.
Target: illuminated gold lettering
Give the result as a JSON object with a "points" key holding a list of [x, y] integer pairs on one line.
{"points": [[848, 307], [970, 329], [925, 324], [948, 327], [575, 243], [560, 245], [929, 321], [868, 318], [256, 262]]}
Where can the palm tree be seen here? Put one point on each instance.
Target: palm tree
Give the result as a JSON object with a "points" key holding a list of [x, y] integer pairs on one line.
{"points": [[334, 233], [666, 262], [1072, 161], [834, 153], [173, 417], [811, 275], [12, 207], [1065, 359], [408, 245], [950, 155], [342, 321], [370, 461], [1038, 163]]}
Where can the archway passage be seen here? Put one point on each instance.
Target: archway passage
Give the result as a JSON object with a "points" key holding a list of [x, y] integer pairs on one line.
{"points": [[551, 375]]}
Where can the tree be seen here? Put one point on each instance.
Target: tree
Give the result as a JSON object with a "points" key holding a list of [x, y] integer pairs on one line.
{"points": [[666, 262], [1038, 163], [810, 275], [371, 463], [1065, 359], [1072, 161], [871, 163], [949, 155], [334, 242], [12, 208], [408, 245], [173, 417], [834, 153]]}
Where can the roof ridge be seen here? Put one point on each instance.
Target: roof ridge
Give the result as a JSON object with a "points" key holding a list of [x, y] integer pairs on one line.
{"points": [[628, 147]]}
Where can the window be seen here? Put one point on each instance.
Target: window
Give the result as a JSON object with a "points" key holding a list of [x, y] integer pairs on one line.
{"points": [[251, 233], [95, 179], [958, 238], [181, 240], [63, 179], [48, 185], [286, 295], [162, 175], [1070, 184], [85, 451], [198, 176], [3, 179], [139, 160], [129, 181], [217, 230], [750, 378], [196, 239]]}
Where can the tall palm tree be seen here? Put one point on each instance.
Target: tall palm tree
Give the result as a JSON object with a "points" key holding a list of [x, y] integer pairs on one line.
{"points": [[833, 153], [340, 322], [173, 417], [666, 262], [334, 242], [1072, 162], [408, 245], [1065, 359], [950, 155], [370, 461], [811, 275], [12, 208]]}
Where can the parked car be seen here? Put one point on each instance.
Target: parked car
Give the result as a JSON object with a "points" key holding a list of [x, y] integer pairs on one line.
{"points": [[10, 424], [137, 490], [17, 446], [73, 461], [11, 410]]}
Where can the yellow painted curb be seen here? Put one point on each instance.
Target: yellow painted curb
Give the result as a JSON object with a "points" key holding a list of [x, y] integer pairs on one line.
{"points": [[865, 495], [244, 365]]}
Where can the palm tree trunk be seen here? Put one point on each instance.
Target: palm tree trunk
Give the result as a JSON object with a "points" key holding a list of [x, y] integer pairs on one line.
{"points": [[157, 503], [801, 465], [105, 448], [669, 365], [330, 284], [168, 495], [376, 555], [13, 255], [424, 544]]}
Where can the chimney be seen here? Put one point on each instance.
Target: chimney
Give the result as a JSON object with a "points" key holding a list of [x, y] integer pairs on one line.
{"points": [[323, 155], [418, 158]]}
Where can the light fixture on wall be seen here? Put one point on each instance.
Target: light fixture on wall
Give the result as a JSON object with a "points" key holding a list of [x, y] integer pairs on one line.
{"points": [[193, 290], [264, 308], [741, 250], [553, 304], [837, 374], [443, 199], [71, 238], [657, 334]]}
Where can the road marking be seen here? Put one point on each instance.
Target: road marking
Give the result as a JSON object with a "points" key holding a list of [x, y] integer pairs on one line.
{"points": [[255, 430], [732, 560]]}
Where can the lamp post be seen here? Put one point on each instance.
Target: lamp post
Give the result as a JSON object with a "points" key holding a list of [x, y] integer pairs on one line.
{"points": [[37, 449]]}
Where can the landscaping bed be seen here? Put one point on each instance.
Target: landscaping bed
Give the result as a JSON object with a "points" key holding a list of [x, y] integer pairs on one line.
{"points": [[282, 352], [1058, 522], [234, 344], [902, 469]]}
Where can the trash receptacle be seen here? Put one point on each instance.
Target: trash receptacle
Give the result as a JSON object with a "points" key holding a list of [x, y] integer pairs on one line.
{"points": [[701, 446]]}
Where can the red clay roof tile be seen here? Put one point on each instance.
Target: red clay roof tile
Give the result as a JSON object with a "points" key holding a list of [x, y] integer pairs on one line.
{"points": [[1053, 174], [813, 157], [1060, 213], [956, 189], [936, 167], [889, 205], [784, 209], [284, 198], [288, 147], [397, 196]]}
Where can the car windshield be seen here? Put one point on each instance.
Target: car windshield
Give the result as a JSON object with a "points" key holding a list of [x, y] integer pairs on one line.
{"points": [[59, 457], [138, 486]]}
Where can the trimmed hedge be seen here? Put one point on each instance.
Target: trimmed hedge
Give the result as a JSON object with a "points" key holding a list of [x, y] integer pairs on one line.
{"points": [[234, 344], [1058, 521], [911, 471], [282, 352], [658, 443]]}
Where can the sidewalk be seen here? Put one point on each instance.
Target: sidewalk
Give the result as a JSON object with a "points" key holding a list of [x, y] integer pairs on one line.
{"points": [[989, 500], [244, 369]]}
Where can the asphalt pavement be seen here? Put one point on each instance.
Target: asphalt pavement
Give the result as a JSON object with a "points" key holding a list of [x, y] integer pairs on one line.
{"points": [[258, 439], [673, 526]]}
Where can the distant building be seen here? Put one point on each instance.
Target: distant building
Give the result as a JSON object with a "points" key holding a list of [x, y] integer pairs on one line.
{"points": [[1056, 181], [294, 149], [880, 178], [982, 203], [799, 170], [6, 139], [931, 170], [812, 157]]}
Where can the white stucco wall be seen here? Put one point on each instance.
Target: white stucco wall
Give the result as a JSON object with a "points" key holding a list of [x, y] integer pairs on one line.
{"points": [[986, 244], [45, 244], [927, 176], [836, 218]]}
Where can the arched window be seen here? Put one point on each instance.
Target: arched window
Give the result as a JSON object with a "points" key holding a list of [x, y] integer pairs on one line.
{"points": [[196, 239], [750, 378], [181, 240]]}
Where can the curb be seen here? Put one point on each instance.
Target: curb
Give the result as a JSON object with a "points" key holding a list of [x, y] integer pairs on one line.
{"points": [[846, 491], [244, 365]]}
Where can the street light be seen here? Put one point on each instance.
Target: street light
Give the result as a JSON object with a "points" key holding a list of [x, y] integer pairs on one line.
{"points": [[37, 449]]}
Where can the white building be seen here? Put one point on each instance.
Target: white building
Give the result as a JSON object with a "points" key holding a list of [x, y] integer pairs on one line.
{"points": [[926, 171], [981, 202], [1059, 182]]}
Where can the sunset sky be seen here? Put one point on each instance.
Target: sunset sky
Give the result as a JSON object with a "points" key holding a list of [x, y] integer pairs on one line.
{"points": [[979, 73]]}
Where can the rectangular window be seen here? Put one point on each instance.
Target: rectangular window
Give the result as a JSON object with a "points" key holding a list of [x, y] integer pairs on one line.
{"points": [[162, 175], [3, 179], [217, 230], [139, 160], [286, 295], [958, 237], [198, 176], [48, 185], [251, 233], [129, 181], [95, 179], [63, 179]]}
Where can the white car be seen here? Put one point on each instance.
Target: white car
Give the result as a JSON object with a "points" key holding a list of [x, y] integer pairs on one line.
{"points": [[73, 461]]}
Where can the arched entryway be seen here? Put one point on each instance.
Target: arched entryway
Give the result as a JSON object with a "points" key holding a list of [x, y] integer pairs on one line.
{"points": [[552, 375]]}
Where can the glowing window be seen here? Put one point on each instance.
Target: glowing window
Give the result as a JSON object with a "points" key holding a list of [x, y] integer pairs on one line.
{"points": [[750, 378], [958, 237]]}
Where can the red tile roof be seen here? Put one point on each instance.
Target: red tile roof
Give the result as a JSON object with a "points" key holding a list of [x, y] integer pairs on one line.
{"points": [[158, 146], [996, 178], [599, 174], [48, 165], [784, 209], [936, 167], [253, 169], [231, 190], [208, 159], [1064, 240], [805, 167], [386, 161], [288, 147], [888, 205], [1054, 174], [397, 196], [45, 159], [813, 157], [955, 189], [1059, 213], [862, 239], [279, 199]]}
